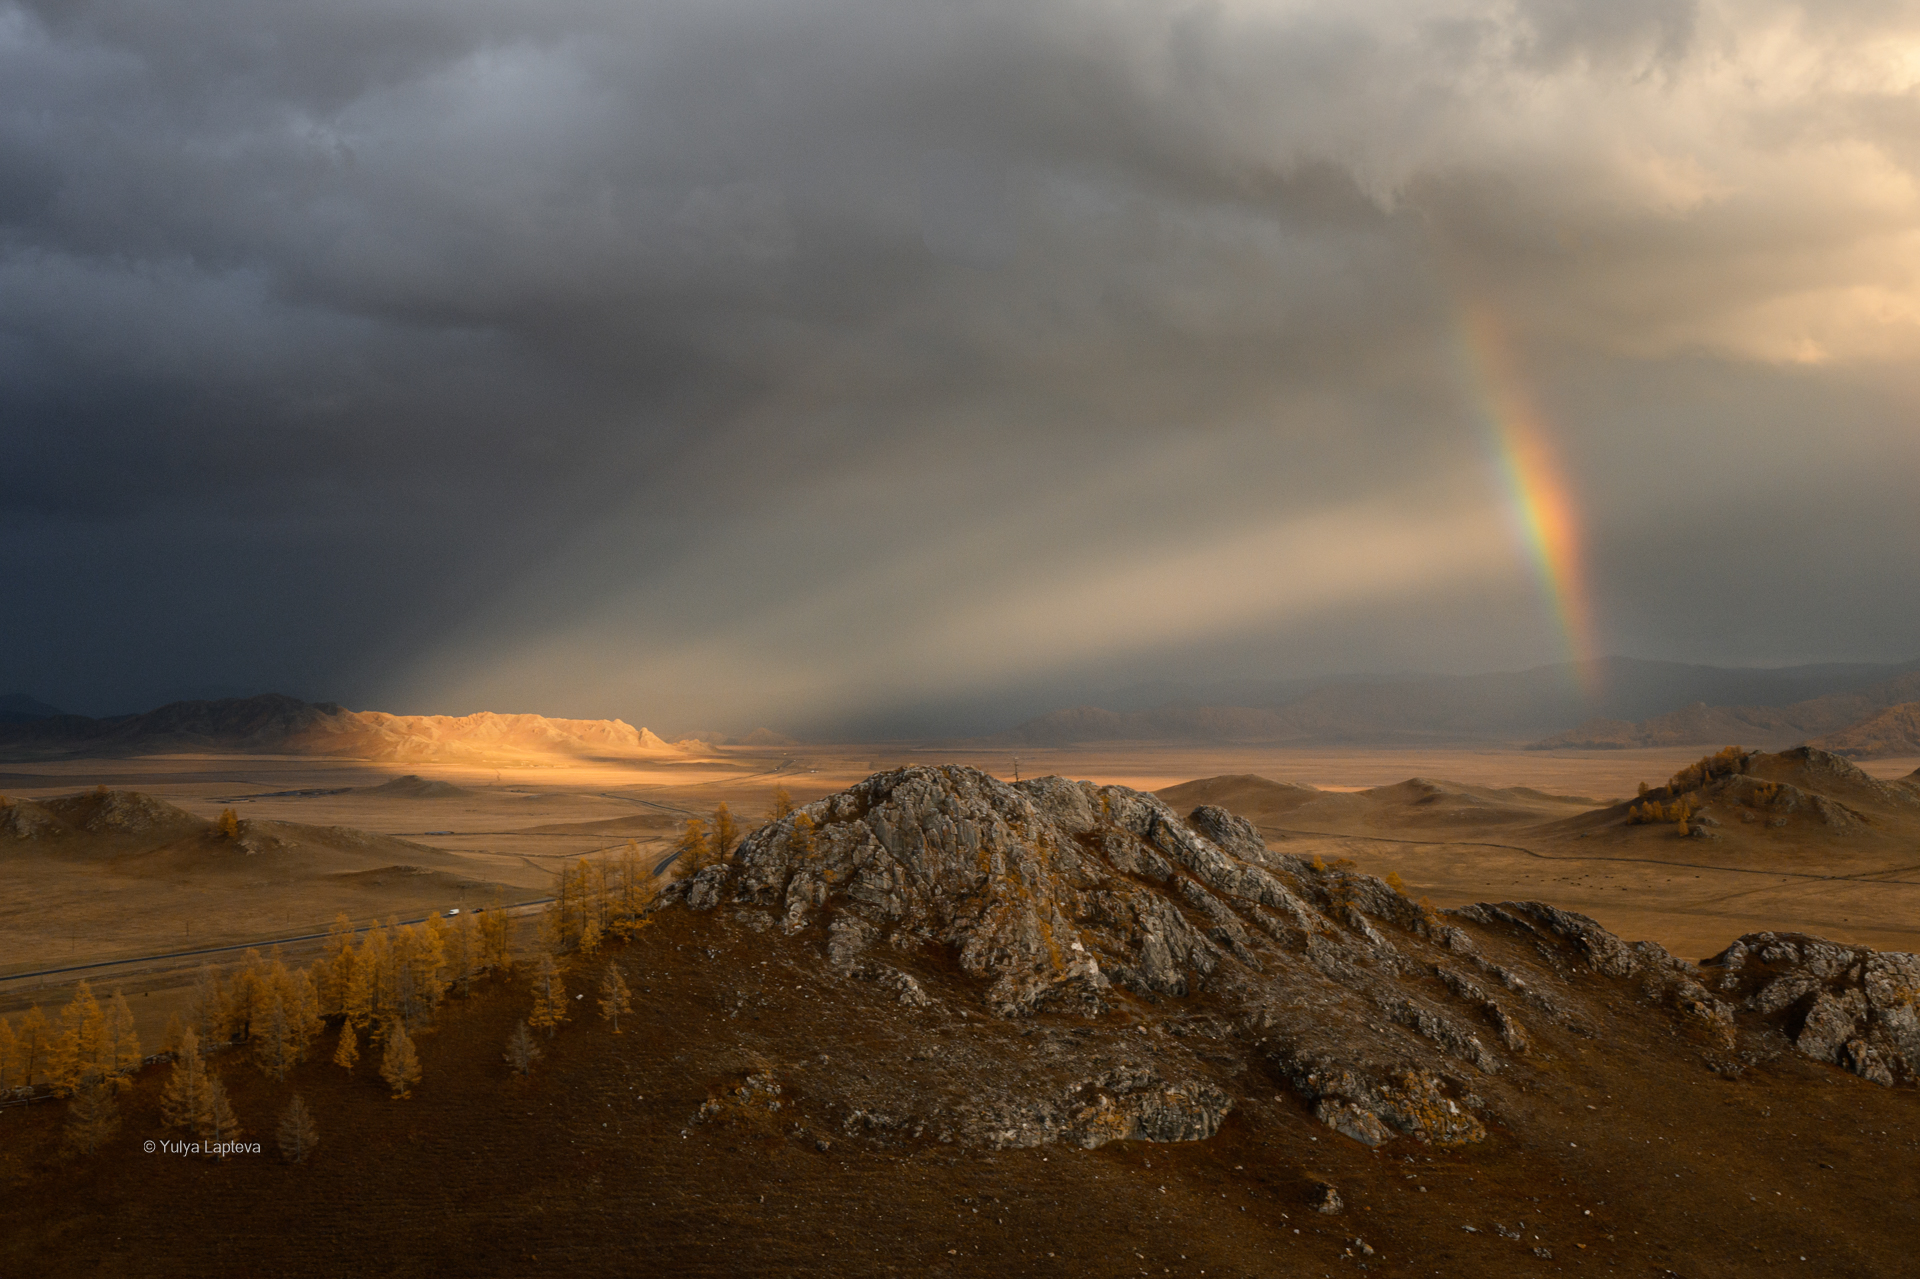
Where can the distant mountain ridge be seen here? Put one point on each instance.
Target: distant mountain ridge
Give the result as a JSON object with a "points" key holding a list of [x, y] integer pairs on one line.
{"points": [[1504, 706], [18, 708], [1832, 722], [275, 724]]}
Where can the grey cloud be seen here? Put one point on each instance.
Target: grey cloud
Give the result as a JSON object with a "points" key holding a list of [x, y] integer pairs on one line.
{"points": [[550, 347]]}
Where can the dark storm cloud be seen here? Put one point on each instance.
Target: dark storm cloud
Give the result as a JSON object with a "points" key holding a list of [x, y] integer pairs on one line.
{"points": [[750, 361]]}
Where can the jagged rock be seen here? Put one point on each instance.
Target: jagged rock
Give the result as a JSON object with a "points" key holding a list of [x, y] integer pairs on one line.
{"points": [[1059, 899], [1840, 1004], [1326, 1198]]}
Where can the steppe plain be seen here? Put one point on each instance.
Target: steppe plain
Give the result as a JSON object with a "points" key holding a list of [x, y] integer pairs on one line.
{"points": [[1629, 1144], [1482, 824]]}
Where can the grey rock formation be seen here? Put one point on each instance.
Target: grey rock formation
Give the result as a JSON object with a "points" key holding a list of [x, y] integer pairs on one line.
{"points": [[1845, 1005], [1201, 955]]}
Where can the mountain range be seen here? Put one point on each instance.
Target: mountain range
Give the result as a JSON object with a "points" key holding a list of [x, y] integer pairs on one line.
{"points": [[1617, 701]]}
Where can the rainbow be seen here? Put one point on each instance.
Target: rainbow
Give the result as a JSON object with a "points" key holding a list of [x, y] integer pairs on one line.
{"points": [[1541, 506]]}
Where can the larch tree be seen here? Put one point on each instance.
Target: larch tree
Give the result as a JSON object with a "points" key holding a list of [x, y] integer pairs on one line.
{"points": [[181, 1099], [124, 1054], [549, 997], [347, 1052], [615, 998], [781, 805], [399, 1064], [726, 832], [522, 1051], [208, 1006], [336, 962], [76, 1050], [32, 1043], [357, 986], [802, 842], [213, 1120], [92, 1116], [9, 1056], [273, 1045], [463, 953], [296, 1134], [496, 940], [170, 1037], [694, 848], [229, 824]]}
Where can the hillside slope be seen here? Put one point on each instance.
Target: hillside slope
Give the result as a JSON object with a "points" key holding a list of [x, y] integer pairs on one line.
{"points": [[967, 1028]]}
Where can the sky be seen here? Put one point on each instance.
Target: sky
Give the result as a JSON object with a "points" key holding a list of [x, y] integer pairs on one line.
{"points": [[849, 366]]}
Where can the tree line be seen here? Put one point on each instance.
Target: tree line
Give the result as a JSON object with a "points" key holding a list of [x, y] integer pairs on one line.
{"points": [[380, 988]]}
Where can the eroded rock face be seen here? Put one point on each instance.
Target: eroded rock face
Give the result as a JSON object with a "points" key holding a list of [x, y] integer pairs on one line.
{"points": [[1845, 1005], [1387, 1019]]}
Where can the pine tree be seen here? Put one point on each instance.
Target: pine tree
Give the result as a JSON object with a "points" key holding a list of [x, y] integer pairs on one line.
{"points": [[695, 850], [348, 1051], [296, 1134], [92, 1117], [122, 1057], [181, 1099], [522, 1051], [549, 997], [781, 806], [399, 1064], [615, 999], [32, 1044], [213, 1120], [726, 833], [229, 824]]}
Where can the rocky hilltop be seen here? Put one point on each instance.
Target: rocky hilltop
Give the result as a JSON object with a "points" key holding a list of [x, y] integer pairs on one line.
{"points": [[1176, 967], [274, 724]]}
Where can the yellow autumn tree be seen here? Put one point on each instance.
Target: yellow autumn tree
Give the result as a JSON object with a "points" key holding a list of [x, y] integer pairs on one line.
{"points": [[694, 848], [296, 1134], [121, 1056], [615, 998], [399, 1064], [726, 832], [781, 805], [549, 997], [496, 940], [77, 1049], [347, 1051], [92, 1117], [229, 824], [30, 1044], [186, 1085]]}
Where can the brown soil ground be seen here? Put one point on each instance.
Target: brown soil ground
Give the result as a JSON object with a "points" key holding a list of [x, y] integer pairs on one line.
{"points": [[1629, 1157]]}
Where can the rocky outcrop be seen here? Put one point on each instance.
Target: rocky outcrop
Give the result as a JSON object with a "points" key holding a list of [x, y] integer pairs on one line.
{"points": [[1056, 902], [1844, 1005]]}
